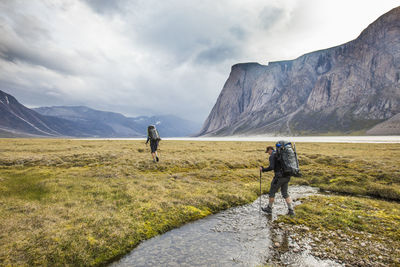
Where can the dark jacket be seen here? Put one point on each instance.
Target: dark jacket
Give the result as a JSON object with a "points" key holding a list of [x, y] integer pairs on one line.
{"points": [[151, 140], [274, 164]]}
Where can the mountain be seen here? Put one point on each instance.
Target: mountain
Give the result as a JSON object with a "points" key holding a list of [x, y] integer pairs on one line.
{"points": [[346, 89], [20, 121], [389, 127], [168, 125], [102, 123], [16, 120], [111, 124]]}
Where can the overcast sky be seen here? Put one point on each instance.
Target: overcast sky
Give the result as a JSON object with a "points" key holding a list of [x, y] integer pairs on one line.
{"points": [[149, 57]]}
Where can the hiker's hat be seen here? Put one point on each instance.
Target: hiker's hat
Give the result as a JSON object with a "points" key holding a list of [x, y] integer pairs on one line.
{"points": [[268, 147]]}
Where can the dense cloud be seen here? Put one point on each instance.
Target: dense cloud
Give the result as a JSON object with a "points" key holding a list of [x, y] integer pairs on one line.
{"points": [[158, 57]]}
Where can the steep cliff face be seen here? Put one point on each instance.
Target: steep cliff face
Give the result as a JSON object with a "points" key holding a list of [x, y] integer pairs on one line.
{"points": [[347, 88]]}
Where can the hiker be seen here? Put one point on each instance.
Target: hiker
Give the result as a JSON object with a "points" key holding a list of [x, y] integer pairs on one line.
{"points": [[279, 181], [154, 138]]}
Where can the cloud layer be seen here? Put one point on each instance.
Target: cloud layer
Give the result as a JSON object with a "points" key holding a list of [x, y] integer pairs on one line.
{"points": [[158, 57]]}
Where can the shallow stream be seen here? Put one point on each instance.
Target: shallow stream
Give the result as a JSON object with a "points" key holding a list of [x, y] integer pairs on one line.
{"points": [[240, 236]]}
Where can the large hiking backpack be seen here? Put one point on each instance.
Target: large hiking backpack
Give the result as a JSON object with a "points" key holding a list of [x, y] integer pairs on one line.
{"points": [[153, 133], [286, 154]]}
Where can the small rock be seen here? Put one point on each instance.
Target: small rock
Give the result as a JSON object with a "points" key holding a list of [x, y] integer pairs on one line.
{"points": [[276, 244], [380, 257], [363, 244]]}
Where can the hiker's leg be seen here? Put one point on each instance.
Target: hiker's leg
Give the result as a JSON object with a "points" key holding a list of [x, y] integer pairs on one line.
{"points": [[153, 146], [290, 206], [155, 149], [272, 191], [271, 201], [289, 203], [285, 195]]}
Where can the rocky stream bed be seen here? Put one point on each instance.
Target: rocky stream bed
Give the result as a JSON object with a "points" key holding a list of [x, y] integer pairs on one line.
{"points": [[241, 236]]}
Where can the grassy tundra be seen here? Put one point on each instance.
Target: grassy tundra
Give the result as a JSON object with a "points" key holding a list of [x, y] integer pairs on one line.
{"points": [[76, 202]]}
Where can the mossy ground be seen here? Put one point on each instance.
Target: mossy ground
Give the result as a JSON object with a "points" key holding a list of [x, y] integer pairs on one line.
{"points": [[358, 231], [65, 202], [80, 202], [357, 169]]}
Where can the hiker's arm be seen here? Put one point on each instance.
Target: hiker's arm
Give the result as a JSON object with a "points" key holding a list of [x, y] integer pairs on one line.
{"points": [[148, 138], [271, 166]]}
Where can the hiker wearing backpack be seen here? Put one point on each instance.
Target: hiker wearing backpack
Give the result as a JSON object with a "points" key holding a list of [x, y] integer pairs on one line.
{"points": [[284, 163], [154, 138]]}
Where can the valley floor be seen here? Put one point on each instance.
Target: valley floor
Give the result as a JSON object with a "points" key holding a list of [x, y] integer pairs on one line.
{"points": [[87, 202]]}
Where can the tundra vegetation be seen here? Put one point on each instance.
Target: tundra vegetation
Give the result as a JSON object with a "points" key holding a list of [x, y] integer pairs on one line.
{"points": [[87, 202]]}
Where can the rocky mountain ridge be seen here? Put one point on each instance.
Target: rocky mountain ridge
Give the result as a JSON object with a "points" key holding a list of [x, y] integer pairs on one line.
{"points": [[117, 125], [20, 121], [16, 120], [349, 88]]}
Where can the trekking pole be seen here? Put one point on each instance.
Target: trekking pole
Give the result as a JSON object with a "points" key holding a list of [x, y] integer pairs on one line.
{"points": [[260, 189]]}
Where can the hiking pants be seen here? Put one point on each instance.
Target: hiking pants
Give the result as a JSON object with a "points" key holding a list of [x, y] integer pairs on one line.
{"points": [[153, 146], [282, 183]]}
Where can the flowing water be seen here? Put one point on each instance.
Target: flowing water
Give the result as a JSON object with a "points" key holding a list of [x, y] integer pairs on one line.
{"points": [[240, 236]]}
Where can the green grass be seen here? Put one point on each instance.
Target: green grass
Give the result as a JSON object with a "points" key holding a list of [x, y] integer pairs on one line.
{"points": [[78, 202], [66, 202], [25, 184], [358, 169], [377, 217], [367, 226]]}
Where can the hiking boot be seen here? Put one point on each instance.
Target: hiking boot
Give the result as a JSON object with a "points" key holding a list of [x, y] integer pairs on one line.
{"points": [[154, 160], [291, 212], [267, 209], [157, 159]]}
